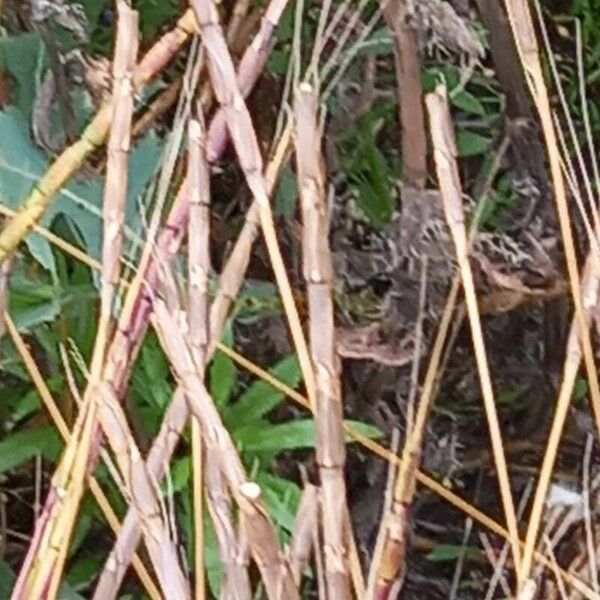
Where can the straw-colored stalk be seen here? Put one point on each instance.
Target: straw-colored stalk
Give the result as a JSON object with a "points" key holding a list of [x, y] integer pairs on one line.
{"points": [[318, 274], [447, 171], [119, 143], [139, 485], [249, 74], [245, 142], [524, 34], [199, 268], [174, 422], [390, 562], [70, 475], [132, 322], [233, 551], [304, 531], [161, 451], [93, 136], [61, 425], [143, 494], [256, 523], [387, 455]]}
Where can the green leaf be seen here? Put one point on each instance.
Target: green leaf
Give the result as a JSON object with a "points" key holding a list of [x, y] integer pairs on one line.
{"points": [[467, 102], [32, 303], [470, 143], [22, 446], [450, 552], [377, 206], [261, 397], [287, 194], [151, 381], [212, 560], [263, 436], [7, 580], [154, 14], [223, 375], [22, 56], [84, 571], [364, 429], [379, 42], [180, 475], [580, 390], [282, 497], [68, 593], [22, 164]]}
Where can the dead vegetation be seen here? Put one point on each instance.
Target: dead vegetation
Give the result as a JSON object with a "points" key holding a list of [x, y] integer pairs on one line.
{"points": [[444, 269]]}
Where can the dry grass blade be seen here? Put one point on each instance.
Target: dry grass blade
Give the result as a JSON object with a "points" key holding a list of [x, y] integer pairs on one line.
{"points": [[258, 528], [318, 274], [132, 324], [59, 421], [177, 415], [115, 188], [389, 456], [232, 553], [249, 69], [525, 39], [144, 495], [303, 533], [447, 172], [69, 478], [164, 443], [94, 135], [244, 139], [198, 273]]}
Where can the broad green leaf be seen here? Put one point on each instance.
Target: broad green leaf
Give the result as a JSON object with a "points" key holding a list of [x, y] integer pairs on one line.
{"points": [[84, 571], [68, 593], [84, 524], [22, 56], [22, 164], [32, 303], [151, 381], [261, 397], [154, 14], [467, 102], [26, 405], [22, 446], [212, 561], [470, 143], [257, 299], [263, 436]]}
